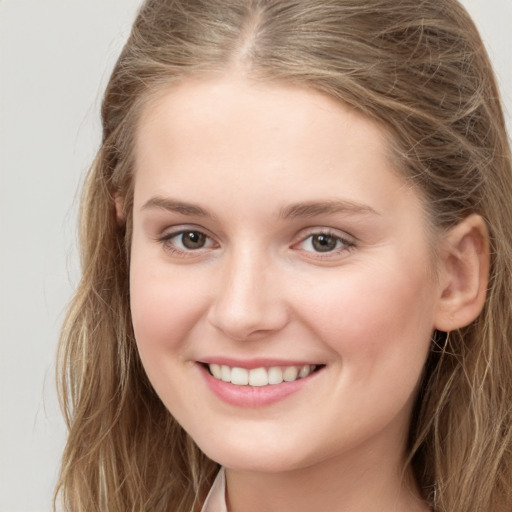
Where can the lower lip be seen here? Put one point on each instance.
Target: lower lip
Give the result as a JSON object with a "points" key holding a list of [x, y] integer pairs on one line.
{"points": [[254, 396]]}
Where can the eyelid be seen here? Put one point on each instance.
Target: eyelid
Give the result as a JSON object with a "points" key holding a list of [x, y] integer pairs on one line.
{"points": [[175, 231], [348, 242]]}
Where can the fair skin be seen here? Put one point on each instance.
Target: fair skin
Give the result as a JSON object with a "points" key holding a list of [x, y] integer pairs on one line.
{"points": [[271, 230]]}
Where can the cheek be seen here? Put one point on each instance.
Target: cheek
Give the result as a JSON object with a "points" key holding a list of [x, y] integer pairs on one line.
{"points": [[376, 321], [165, 306]]}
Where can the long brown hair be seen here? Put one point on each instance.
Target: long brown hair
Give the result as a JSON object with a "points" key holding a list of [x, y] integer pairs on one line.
{"points": [[419, 68]]}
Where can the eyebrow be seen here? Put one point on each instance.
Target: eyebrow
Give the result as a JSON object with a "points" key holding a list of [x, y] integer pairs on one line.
{"points": [[303, 209], [313, 208], [173, 205]]}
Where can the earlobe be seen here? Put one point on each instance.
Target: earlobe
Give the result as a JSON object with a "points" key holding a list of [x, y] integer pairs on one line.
{"points": [[463, 274]]}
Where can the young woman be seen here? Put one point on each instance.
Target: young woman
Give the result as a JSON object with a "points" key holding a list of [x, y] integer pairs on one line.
{"points": [[296, 244]]}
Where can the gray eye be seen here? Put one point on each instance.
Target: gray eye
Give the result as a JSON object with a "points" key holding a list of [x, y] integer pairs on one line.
{"points": [[193, 239], [324, 243]]}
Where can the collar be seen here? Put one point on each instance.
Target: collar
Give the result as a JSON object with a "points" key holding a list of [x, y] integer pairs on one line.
{"points": [[216, 499]]}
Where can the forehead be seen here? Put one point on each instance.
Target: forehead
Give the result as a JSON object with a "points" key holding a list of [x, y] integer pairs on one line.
{"points": [[261, 137], [231, 108], [206, 100]]}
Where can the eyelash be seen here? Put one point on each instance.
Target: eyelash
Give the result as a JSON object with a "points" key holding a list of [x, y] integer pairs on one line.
{"points": [[342, 244], [169, 245]]}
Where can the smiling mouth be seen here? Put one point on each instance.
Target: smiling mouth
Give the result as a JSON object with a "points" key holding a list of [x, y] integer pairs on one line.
{"points": [[260, 377]]}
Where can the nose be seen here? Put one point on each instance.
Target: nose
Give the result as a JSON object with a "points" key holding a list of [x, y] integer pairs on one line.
{"points": [[249, 300]]}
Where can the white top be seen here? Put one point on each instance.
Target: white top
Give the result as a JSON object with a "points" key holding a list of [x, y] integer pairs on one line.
{"points": [[216, 499]]}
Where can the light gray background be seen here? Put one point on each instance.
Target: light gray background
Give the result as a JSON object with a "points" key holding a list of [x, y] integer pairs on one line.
{"points": [[55, 59]]}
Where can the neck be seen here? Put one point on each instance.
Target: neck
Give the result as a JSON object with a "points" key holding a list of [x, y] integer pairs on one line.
{"points": [[351, 482]]}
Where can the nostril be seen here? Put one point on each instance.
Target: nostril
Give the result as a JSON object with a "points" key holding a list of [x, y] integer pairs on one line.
{"points": [[247, 305]]}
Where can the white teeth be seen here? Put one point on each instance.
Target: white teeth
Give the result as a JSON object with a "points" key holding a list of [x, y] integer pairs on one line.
{"points": [[260, 376], [290, 374], [304, 371], [225, 373], [216, 371], [275, 375], [240, 376]]}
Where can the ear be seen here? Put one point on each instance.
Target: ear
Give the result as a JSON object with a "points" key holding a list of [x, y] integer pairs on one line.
{"points": [[119, 206], [463, 274]]}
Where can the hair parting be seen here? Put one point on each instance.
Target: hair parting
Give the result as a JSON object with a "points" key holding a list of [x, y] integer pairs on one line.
{"points": [[419, 68]]}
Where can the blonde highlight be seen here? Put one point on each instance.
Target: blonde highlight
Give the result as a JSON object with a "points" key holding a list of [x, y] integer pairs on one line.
{"points": [[419, 69]]}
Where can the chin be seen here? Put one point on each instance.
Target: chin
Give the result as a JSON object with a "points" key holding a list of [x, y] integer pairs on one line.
{"points": [[255, 458]]}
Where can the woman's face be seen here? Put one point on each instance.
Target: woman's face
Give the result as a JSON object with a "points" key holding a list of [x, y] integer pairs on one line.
{"points": [[275, 245]]}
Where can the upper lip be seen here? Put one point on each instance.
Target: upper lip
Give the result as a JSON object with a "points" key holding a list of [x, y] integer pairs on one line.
{"points": [[250, 364]]}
